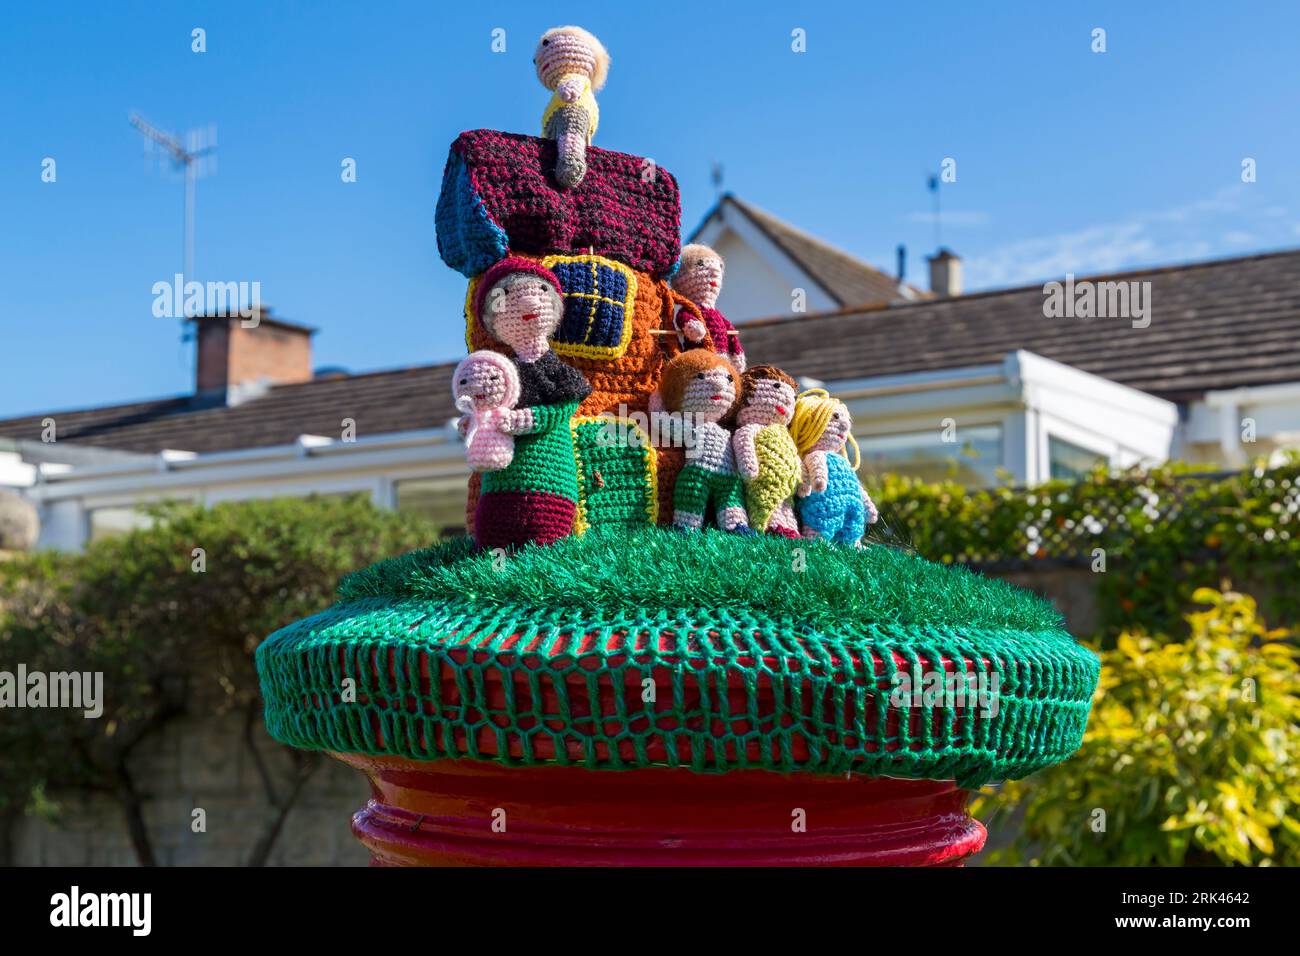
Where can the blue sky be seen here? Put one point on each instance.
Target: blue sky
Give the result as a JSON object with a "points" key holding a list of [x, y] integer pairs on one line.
{"points": [[1067, 160]]}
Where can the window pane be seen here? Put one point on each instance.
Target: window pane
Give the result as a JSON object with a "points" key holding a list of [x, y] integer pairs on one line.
{"points": [[440, 501], [106, 522], [973, 459], [1069, 461]]}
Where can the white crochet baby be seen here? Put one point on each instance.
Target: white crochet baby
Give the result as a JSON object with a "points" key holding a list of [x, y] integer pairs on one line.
{"points": [[486, 388]]}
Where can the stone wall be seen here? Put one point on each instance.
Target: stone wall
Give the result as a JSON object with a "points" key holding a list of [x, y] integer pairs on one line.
{"points": [[204, 764], [1072, 589]]}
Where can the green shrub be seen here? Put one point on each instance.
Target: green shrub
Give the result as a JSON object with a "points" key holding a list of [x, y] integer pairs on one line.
{"points": [[1164, 533], [171, 628], [1192, 753]]}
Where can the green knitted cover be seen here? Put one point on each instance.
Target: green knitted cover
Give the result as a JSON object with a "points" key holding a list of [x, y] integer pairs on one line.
{"points": [[616, 476], [619, 650]]}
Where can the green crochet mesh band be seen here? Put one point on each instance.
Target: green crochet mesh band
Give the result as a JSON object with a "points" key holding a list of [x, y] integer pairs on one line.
{"points": [[443, 667]]}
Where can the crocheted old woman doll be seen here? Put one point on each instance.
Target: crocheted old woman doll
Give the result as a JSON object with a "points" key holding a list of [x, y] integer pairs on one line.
{"points": [[485, 386], [704, 389], [573, 64], [831, 503], [534, 498], [699, 278], [766, 456]]}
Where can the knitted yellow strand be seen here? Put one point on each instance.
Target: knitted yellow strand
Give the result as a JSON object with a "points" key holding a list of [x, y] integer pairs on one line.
{"points": [[812, 412]]}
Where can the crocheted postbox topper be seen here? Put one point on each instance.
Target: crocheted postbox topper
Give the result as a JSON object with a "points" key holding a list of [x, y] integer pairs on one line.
{"points": [[543, 658]]}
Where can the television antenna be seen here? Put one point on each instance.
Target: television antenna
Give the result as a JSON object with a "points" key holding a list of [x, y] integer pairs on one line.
{"points": [[195, 157], [932, 184]]}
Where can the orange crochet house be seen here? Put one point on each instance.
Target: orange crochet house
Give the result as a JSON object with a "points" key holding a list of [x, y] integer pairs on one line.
{"points": [[618, 327]]}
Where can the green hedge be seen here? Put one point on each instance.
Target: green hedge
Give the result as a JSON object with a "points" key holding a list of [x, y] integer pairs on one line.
{"points": [[170, 616], [1191, 756], [1162, 533]]}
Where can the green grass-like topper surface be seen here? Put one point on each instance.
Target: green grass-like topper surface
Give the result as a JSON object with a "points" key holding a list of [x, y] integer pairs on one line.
{"points": [[651, 568]]}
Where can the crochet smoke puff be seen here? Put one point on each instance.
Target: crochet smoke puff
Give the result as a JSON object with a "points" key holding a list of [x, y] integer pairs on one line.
{"points": [[572, 64], [485, 386], [766, 456], [699, 392], [831, 503], [699, 278], [535, 498]]}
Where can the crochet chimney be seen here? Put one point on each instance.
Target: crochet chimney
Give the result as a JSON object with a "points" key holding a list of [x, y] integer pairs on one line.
{"points": [[945, 273]]}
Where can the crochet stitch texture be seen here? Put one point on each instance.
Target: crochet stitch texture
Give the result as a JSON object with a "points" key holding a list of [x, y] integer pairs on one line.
{"points": [[617, 474], [486, 386], [766, 456], [497, 198], [623, 379], [778, 475], [699, 278], [839, 513], [572, 63]]}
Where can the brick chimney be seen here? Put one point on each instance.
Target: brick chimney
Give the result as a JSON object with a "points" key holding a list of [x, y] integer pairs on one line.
{"points": [[238, 359], [945, 273]]}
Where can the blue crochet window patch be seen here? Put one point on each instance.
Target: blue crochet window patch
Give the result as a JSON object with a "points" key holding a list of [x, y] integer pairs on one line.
{"points": [[598, 301]]}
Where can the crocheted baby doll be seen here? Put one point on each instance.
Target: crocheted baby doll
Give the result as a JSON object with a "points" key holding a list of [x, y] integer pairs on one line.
{"points": [[704, 389], [535, 497], [831, 503], [486, 387], [573, 64], [699, 278], [766, 456]]}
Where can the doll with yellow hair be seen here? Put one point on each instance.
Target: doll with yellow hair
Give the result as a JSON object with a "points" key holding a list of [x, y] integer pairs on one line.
{"points": [[572, 64], [830, 501]]}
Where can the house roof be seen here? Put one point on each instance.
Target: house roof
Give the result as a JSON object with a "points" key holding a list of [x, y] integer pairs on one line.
{"points": [[1220, 324], [379, 402], [1214, 325], [847, 280]]}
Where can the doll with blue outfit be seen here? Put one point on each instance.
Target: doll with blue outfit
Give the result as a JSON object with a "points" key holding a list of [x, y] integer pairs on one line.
{"points": [[830, 502]]}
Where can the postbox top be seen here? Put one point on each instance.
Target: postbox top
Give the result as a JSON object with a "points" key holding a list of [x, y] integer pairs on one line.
{"points": [[617, 651]]}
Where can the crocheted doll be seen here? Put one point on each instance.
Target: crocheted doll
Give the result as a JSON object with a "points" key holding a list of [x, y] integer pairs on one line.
{"points": [[535, 497], [486, 387], [699, 278], [766, 456], [573, 64], [704, 389], [831, 503]]}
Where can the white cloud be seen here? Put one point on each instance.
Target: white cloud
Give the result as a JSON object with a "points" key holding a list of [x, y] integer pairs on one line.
{"points": [[1193, 230], [951, 217]]}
